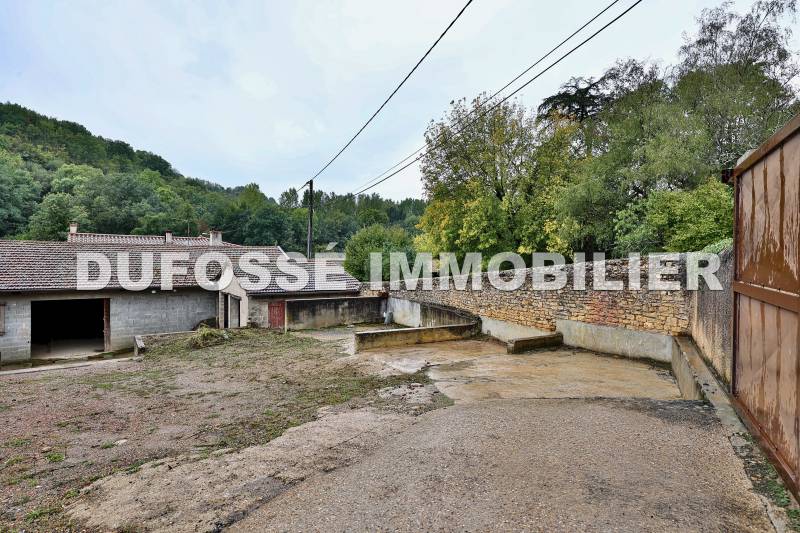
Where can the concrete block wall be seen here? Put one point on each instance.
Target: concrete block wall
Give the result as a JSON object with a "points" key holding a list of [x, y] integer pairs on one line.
{"points": [[141, 313], [15, 343], [131, 313], [665, 312], [313, 313]]}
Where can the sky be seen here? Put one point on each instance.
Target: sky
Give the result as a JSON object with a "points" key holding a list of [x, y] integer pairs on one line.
{"points": [[238, 92]]}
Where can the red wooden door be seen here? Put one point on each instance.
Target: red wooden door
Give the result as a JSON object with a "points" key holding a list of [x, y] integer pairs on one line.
{"points": [[277, 313]]}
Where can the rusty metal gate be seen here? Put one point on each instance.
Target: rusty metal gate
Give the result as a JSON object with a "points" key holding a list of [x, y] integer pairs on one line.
{"points": [[766, 359]]}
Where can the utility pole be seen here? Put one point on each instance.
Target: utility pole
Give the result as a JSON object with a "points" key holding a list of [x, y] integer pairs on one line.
{"points": [[310, 217]]}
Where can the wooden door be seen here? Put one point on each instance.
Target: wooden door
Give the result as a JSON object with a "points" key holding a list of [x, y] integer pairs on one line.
{"points": [[277, 314]]}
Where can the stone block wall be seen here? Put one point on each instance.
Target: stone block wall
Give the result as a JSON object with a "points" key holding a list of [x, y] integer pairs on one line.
{"points": [[659, 311]]}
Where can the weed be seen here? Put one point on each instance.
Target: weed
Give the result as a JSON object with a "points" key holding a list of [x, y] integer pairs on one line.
{"points": [[16, 459], [55, 457], [794, 519], [71, 493], [36, 514], [135, 467], [107, 445], [21, 501], [18, 443]]}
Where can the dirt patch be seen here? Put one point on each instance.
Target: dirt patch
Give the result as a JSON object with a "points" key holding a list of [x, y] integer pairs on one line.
{"points": [[190, 493], [62, 430]]}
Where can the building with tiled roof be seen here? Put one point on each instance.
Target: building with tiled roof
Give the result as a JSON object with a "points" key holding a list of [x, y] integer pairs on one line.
{"points": [[51, 307]]}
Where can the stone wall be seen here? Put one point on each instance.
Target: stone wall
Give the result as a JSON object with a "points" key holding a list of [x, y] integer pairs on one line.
{"points": [[665, 312], [711, 320]]}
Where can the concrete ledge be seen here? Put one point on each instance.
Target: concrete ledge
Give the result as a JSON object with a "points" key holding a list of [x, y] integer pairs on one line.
{"points": [[533, 343], [618, 341], [384, 338], [508, 331], [709, 388]]}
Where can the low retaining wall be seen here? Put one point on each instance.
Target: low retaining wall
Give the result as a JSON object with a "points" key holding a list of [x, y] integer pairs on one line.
{"points": [[425, 315], [619, 341], [315, 313], [711, 320], [366, 340]]}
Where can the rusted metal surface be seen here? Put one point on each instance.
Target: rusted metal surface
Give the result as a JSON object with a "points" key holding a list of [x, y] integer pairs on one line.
{"points": [[766, 367]]}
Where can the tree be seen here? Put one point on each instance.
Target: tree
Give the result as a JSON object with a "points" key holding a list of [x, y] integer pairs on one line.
{"points": [[676, 221], [492, 178], [375, 238], [18, 194], [51, 220]]}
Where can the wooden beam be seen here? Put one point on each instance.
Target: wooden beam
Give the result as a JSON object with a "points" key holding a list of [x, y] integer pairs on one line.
{"points": [[785, 300]]}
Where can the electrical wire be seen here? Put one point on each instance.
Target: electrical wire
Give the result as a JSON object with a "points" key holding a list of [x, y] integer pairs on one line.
{"points": [[375, 114], [460, 129]]}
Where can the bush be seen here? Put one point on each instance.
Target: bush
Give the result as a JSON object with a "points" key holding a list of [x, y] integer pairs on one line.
{"points": [[719, 246]]}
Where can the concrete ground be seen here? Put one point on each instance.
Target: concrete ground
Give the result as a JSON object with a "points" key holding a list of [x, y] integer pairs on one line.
{"points": [[534, 465], [554, 440]]}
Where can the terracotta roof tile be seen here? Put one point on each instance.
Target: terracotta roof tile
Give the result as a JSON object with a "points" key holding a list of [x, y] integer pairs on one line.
{"points": [[36, 266]]}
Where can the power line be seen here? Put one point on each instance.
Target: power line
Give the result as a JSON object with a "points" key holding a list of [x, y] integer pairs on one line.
{"points": [[375, 114], [537, 76], [503, 88]]}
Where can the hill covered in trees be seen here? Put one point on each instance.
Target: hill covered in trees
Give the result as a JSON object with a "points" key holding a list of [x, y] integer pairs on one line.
{"points": [[54, 171]]}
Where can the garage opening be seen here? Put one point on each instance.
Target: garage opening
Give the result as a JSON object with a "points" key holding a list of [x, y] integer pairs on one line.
{"points": [[61, 328]]}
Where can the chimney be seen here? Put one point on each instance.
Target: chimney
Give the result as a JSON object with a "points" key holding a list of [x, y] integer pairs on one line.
{"points": [[214, 238], [73, 228], [168, 237]]}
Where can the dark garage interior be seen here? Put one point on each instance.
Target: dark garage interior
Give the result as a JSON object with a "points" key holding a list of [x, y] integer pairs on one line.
{"points": [[67, 327]]}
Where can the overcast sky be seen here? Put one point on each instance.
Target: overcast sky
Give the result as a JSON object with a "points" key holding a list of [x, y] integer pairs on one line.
{"points": [[266, 92]]}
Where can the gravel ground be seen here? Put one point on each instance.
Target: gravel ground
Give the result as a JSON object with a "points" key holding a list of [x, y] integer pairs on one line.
{"points": [[61, 430], [535, 465]]}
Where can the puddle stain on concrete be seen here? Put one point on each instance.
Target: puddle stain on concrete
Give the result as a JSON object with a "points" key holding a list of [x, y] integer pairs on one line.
{"points": [[474, 370]]}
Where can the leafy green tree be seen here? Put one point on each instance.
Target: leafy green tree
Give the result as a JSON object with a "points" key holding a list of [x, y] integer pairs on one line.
{"points": [[267, 226], [50, 221], [69, 177], [492, 179], [376, 238], [18, 194], [677, 221]]}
